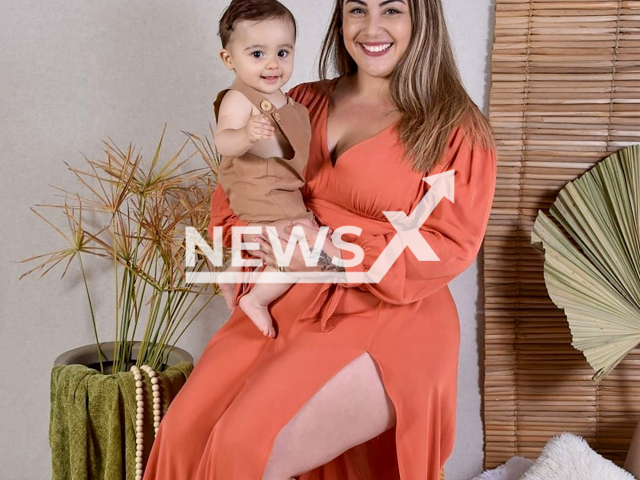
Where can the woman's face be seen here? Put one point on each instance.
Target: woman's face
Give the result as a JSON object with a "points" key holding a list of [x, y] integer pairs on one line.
{"points": [[376, 33]]}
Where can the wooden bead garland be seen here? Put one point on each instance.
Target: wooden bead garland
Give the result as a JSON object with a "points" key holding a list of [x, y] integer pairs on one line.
{"points": [[157, 411]]}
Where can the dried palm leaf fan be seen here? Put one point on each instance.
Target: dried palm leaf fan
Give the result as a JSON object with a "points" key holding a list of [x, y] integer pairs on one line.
{"points": [[592, 263]]}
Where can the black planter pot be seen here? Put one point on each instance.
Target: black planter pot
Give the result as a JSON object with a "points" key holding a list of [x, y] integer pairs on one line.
{"points": [[88, 355], [94, 416]]}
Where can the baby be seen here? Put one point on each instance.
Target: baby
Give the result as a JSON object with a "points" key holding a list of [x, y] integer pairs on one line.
{"points": [[262, 134]]}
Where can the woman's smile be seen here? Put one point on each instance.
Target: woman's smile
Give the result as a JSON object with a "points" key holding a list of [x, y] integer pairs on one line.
{"points": [[375, 49]]}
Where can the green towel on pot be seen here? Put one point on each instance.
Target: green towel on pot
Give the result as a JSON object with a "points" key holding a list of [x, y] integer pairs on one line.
{"points": [[93, 417]]}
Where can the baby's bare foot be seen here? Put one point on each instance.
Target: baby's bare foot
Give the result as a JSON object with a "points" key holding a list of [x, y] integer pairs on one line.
{"points": [[259, 315], [228, 291]]}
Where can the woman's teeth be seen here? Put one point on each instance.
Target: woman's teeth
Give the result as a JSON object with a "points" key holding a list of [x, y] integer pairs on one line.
{"points": [[376, 48]]}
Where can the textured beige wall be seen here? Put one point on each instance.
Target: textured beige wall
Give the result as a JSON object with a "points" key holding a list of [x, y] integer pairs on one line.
{"points": [[73, 73]]}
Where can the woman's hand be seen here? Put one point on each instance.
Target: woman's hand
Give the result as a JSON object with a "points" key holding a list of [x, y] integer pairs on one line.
{"points": [[280, 225], [297, 263]]}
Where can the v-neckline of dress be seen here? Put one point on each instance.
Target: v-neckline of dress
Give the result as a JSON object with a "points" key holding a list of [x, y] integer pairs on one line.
{"points": [[325, 125]]}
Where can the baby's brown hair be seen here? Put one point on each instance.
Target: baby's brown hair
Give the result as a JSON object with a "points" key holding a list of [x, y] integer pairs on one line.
{"points": [[255, 10]]}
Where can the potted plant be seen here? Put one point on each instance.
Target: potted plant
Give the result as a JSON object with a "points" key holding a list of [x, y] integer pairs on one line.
{"points": [[107, 398]]}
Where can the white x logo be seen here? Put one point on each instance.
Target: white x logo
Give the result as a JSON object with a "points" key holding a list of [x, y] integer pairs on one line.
{"points": [[408, 227]]}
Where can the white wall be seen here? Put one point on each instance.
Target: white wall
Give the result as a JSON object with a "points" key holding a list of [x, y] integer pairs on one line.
{"points": [[76, 72]]}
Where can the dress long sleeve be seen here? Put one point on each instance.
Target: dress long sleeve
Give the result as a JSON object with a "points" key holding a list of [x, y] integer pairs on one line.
{"points": [[454, 230]]}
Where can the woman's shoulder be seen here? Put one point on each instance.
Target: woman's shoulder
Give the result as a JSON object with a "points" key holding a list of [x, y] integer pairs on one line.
{"points": [[307, 93]]}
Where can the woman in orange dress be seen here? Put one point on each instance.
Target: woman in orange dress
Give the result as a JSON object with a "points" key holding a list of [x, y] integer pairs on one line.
{"points": [[360, 381]]}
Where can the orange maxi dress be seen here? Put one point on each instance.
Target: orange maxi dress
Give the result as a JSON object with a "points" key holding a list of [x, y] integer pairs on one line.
{"points": [[246, 387]]}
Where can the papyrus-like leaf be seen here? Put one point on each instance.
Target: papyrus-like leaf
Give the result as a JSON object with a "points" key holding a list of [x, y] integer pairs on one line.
{"points": [[592, 258]]}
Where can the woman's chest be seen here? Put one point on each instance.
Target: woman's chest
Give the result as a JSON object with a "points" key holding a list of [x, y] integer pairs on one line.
{"points": [[349, 124], [369, 177]]}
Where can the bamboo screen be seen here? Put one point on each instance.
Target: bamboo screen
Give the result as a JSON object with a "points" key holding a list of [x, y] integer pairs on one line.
{"points": [[565, 93]]}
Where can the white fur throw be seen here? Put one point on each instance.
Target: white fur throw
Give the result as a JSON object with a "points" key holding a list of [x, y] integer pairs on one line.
{"points": [[569, 457], [512, 470]]}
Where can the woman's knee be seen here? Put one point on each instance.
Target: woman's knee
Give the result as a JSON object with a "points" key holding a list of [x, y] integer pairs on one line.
{"points": [[172, 427], [184, 431], [237, 444]]}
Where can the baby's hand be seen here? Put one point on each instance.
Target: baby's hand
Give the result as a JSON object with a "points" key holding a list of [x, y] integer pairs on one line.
{"points": [[258, 128]]}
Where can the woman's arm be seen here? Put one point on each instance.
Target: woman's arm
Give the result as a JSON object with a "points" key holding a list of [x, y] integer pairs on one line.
{"points": [[454, 230], [297, 264]]}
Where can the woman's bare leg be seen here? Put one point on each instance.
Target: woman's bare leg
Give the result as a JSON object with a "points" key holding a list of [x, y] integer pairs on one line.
{"points": [[351, 408]]}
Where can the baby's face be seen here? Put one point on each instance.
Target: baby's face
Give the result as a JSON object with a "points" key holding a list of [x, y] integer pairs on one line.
{"points": [[261, 53]]}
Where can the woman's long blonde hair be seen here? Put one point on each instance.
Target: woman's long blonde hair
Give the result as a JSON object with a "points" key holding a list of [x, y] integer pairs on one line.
{"points": [[425, 86]]}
